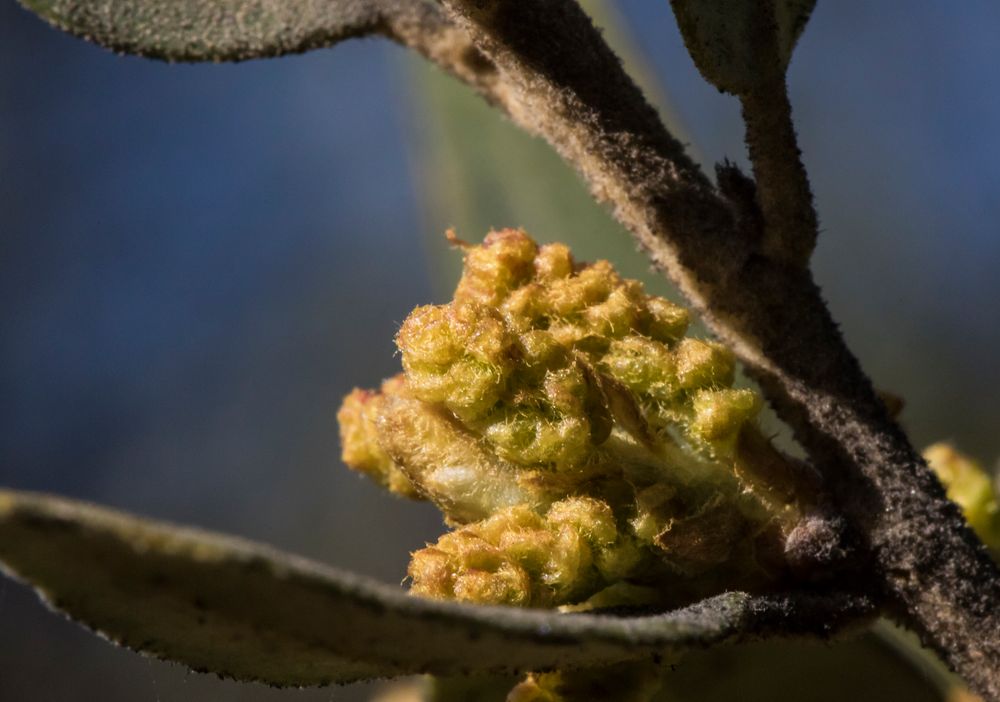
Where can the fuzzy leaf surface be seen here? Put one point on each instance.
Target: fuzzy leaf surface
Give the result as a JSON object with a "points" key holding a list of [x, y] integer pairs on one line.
{"points": [[221, 604], [227, 30], [727, 39]]}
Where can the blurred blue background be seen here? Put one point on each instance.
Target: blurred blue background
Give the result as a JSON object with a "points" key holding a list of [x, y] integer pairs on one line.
{"points": [[197, 262]]}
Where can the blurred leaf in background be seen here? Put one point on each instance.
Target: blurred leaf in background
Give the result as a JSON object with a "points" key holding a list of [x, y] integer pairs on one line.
{"points": [[475, 171]]}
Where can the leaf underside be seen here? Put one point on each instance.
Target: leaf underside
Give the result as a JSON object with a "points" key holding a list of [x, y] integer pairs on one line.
{"points": [[224, 30], [242, 610], [724, 41]]}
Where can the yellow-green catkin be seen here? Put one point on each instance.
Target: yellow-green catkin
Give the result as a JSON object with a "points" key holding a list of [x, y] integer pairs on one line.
{"points": [[971, 487], [584, 448]]}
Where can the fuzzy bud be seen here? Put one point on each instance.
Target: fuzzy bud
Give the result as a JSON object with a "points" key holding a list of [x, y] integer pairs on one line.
{"points": [[586, 451], [519, 557]]}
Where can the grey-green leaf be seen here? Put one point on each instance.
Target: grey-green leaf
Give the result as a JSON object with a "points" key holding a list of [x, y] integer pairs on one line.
{"points": [[231, 30], [736, 44], [221, 604]]}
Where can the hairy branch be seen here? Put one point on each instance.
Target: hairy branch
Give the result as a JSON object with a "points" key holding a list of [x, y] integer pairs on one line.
{"points": [[743, 48], [783, 191], [568, 87]]}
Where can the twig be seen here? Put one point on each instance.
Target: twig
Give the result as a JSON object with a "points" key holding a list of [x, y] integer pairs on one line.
{"points": [[570, 88], [783, 191], [743, 49]]}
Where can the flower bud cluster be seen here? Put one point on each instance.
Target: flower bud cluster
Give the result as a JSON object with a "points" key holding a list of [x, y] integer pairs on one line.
{"points": [[579, 442], [522, 355], [520, 557]]}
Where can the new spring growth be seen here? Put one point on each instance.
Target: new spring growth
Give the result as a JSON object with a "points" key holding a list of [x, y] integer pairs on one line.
{"points": [[586, 451]]}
